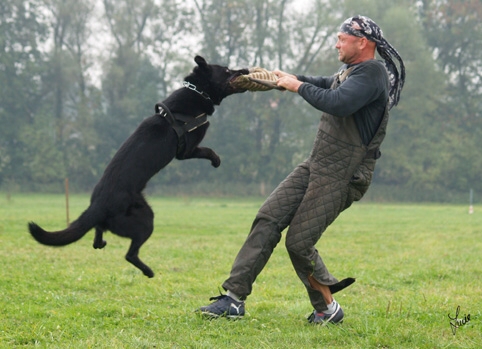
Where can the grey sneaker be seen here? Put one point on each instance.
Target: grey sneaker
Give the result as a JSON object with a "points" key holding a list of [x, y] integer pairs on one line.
{"points": [[223, 306], [323, 319]]}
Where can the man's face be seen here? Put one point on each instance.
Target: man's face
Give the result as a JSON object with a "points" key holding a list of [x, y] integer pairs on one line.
{"points": [[348, 47]]}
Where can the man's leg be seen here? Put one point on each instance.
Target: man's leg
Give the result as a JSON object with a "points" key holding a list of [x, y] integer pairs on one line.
{"points": [[323, 289], [320, 207], [272, 218]]}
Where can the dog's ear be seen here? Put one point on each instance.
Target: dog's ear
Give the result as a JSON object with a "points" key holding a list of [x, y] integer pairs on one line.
{"points": [[201, 62]]}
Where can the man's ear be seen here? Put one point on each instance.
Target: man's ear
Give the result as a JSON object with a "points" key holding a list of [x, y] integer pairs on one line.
{"points": [[201, 62], [365, 43]]}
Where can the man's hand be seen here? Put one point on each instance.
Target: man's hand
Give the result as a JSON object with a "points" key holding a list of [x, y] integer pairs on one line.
{"points": [[287, 81]]}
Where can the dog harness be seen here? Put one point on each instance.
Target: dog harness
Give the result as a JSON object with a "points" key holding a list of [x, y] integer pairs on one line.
{"points": [[181, 123]]}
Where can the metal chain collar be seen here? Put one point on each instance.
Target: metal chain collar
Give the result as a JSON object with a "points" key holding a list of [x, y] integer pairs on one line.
{"points": [[193, 87]]}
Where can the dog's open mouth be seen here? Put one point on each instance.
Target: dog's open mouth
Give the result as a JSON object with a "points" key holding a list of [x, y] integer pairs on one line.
{"points": [[235, 79]]}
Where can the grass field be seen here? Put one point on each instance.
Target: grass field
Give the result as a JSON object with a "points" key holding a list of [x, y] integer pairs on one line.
{"points": [[414, 264]]}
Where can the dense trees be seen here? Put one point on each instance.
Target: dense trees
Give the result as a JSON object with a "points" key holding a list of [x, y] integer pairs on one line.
{"points": [[76, 77]]}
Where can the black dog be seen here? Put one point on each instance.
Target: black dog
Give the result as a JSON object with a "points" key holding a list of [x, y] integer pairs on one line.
{"points": [[175, 131]]}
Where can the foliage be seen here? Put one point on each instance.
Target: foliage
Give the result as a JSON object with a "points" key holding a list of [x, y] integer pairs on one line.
{"points": [[21, 65], [453, 31], [76, 77]]}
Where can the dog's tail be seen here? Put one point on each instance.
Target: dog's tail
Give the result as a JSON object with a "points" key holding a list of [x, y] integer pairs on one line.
{"points": [[72, 233]]}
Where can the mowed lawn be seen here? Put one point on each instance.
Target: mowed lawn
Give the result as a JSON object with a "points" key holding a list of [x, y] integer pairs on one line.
{"points": [[415, 265]]}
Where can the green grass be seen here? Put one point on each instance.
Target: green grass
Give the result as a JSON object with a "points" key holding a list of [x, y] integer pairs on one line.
{"points": [[414, 265]]}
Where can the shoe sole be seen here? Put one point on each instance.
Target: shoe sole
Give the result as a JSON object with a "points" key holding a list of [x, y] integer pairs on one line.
{"points": [[329, 320], [325, 323], [210, 316]]}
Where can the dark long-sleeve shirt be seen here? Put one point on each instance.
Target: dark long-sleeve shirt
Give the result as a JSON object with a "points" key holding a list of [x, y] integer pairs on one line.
{"points": [[363, 94]]}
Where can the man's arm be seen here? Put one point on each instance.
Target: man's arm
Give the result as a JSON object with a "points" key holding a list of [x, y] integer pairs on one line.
{"points": [[362, 87], [318, 81], [292, 82]]}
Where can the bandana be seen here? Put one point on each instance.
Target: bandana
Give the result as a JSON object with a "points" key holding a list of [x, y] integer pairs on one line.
{"points": [[362, 26]]}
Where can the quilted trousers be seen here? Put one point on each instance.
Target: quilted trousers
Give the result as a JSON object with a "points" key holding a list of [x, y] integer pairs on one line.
{"points": [[307, 201]]}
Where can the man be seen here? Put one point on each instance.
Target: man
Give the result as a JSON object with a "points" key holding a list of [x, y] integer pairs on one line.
{"points": [[355, 104]]}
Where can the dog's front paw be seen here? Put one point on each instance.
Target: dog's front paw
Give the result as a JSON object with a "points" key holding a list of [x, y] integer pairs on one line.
{"points": [[216, 161]]}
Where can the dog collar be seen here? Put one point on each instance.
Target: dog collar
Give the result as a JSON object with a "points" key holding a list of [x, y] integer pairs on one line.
{"points": [[193, 87]]}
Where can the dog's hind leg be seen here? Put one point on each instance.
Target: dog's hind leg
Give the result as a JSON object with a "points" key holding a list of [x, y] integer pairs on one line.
{"points": [[137, 224], [98, 241], [132, 256]]}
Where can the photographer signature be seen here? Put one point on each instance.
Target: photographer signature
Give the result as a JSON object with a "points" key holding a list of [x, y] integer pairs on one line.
{"points": [[455, 322]]}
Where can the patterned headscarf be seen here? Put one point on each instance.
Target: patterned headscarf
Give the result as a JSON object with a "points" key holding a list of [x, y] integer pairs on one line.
{"points": [[362, 26]]}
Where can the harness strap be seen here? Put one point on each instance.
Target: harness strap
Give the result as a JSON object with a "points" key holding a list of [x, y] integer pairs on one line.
{"points": [[190, 123], [181, 123], [342, 75], [162, 110]]}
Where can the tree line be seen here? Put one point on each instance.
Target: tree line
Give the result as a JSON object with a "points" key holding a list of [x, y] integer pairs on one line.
{"points": [[77, 77]]}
